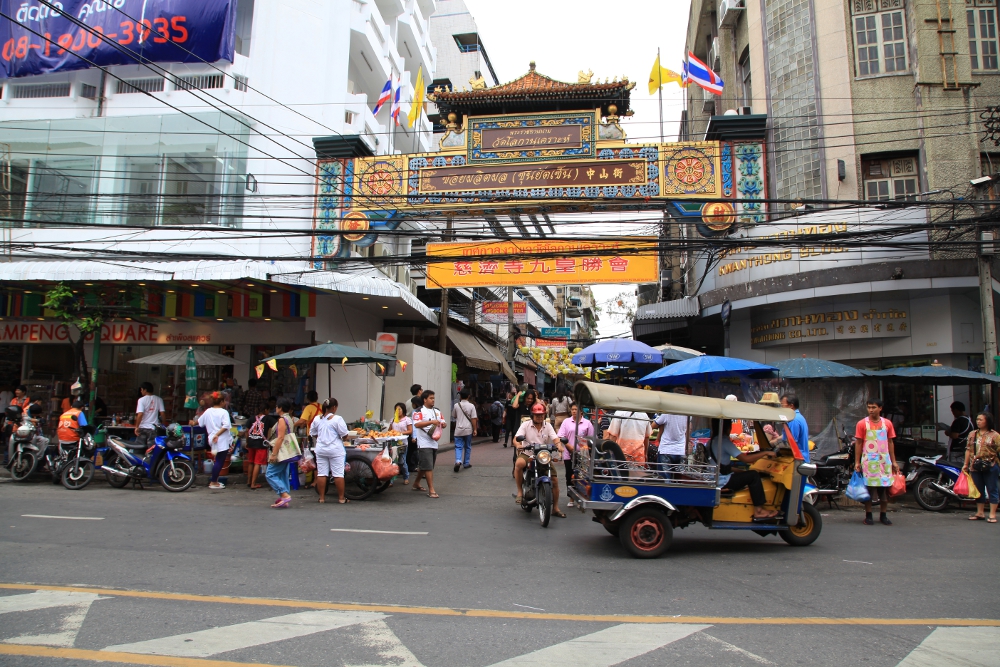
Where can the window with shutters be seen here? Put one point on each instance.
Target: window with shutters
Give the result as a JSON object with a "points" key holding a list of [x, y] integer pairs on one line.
{"points": [[981, 17], [890, 178], [879, 28]]}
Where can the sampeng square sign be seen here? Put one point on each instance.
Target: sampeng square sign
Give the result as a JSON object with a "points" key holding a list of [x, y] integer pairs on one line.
{"points": [[519, 262]]}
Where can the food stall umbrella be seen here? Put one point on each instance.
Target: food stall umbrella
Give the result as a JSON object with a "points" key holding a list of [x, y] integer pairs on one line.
{"points": [[183, 357], [618, 351], [808, 368], [935, 375], [677, 352], [330, 353], [707, 368]]}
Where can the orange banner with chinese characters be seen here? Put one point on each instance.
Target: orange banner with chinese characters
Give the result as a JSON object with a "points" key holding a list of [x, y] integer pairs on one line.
{"points": [[520, 262]]}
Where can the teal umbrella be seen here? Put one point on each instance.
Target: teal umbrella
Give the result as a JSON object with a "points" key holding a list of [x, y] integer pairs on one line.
{"points": [[331, 353], [190, 381]]}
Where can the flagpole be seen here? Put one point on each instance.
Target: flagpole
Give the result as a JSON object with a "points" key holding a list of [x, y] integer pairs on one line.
{"points": [[659, 92]]}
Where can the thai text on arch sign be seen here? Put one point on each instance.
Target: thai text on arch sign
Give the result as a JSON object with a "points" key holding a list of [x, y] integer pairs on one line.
{"points": [[117, 32], [520, 262]]}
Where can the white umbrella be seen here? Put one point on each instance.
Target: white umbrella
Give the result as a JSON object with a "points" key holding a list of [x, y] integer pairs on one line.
{"points": [[179, 358]]}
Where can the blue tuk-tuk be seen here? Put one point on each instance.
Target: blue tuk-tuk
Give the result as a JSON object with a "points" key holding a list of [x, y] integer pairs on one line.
{"points": [[643, 502]]}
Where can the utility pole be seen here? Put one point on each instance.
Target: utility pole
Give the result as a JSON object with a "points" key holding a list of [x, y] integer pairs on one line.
{"points": [[511, 342], [986, 251], [443, 325]]}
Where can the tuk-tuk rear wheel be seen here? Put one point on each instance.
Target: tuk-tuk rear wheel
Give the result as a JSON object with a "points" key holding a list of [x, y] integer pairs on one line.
{"points": [[804, 534], [645, 532]]}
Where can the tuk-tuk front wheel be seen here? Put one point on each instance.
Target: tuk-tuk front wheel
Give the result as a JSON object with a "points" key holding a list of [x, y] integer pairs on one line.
{"points": [[645, 532], [804, 534]]}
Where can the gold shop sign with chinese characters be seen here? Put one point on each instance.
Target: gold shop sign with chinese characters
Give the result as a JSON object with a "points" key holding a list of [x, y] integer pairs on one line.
{"points": [[536, 262], [506, 178], [847, 321]]}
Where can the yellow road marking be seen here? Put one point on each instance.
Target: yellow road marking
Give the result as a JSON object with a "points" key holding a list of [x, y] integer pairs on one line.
{"points": [[113, 656], [498, 613]]}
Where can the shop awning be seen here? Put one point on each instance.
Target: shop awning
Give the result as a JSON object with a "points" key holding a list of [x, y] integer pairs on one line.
{"points": [[498, 355], [292, 274], [476, 356]]}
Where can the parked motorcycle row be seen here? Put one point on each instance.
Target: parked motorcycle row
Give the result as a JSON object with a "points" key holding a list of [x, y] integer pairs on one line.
{"points": [[73, 464], [930, 478]]}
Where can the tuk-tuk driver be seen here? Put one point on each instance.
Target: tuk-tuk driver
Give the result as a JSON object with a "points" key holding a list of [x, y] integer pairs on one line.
{"points": [[537, 432], [731, 480]]}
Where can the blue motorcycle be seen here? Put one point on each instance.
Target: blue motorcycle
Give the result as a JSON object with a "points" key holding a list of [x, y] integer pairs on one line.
{"points": [[164, 462], [932, 480]]}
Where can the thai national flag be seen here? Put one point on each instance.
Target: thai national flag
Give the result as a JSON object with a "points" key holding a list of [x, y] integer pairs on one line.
{"points": [[701, 74], [383, 97], [396, 101]]}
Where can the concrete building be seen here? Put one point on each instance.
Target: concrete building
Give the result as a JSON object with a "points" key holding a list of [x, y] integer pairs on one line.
{"points": [[871, 100], [462, 59], [148, 177]]}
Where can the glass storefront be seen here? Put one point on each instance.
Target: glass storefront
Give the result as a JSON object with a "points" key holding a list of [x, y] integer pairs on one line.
{"points": [[146, 170]]}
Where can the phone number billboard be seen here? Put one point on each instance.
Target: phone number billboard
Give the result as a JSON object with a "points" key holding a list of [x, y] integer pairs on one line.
{"points": [[43, 36]]}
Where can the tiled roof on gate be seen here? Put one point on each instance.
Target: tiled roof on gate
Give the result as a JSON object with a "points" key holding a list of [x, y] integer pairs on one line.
{"points": [[540, 88]]}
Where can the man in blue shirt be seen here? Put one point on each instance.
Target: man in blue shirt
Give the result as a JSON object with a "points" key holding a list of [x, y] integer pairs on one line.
{"points": [[798, 426]]}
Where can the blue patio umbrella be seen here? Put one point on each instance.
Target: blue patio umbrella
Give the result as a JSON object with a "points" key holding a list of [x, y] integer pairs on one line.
{"points": [[808, 368], [618, 351], [707, 369]]}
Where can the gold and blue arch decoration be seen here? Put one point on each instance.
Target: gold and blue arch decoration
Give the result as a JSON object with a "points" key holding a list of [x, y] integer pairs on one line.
{"points": [[359, 198]]}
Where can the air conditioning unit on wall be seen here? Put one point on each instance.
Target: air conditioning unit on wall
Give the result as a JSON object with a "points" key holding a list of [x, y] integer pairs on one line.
{"points": [[714, 57], [729, 12]]}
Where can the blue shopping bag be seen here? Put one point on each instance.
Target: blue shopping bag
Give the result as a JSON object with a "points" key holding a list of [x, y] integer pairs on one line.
{"points": [[856, 490]]}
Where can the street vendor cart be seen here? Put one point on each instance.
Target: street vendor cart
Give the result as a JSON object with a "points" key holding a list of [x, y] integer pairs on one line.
{"points": [[360, 478], [642, 503]]}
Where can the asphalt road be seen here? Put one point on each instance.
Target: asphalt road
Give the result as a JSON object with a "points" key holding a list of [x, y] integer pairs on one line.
{"points": [[218, 578]]}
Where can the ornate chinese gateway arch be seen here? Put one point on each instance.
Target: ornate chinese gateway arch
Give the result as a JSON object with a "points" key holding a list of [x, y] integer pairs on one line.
{"points": [[536, 144]]}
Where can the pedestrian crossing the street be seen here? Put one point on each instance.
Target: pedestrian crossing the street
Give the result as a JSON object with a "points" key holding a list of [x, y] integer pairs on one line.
{"points": [[374, 635]]}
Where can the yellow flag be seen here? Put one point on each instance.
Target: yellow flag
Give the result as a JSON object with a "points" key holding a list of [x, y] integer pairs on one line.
{"points": [[272, 364], [660, 76], [419, 88], [295, 370], [260, 369]]}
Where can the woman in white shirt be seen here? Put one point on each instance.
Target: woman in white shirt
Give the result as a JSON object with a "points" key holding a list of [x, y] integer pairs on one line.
{"points": [[328, 434], [216, 422]]}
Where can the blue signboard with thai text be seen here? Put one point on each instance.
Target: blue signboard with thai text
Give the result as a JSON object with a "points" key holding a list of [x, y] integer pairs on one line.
{"points": [[44, 36]]}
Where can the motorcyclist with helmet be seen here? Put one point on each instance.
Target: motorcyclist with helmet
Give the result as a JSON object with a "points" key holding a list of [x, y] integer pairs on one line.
{"points": [[537, 431]]}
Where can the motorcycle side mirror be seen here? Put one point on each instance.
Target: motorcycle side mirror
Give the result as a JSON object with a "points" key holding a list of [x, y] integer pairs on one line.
{"points": [[520, 438], [564, 441]]}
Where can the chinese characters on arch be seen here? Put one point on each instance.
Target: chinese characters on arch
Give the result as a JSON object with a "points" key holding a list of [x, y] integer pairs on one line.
{"points": [[527, 262]]}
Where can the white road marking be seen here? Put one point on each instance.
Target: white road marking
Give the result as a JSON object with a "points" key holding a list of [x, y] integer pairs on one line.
{"points": [[385, 644], [71, 518], [606, 647], [957, 647], [732, 648], [205, 643], [863, 562], [524, 606], [380, 532], [69, 624]]}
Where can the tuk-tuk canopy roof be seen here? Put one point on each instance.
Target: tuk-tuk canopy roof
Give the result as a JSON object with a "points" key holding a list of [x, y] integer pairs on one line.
{"points": [[612, 397]]}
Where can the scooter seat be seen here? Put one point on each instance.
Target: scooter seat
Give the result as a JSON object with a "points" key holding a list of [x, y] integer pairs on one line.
{"points": [[135, 447]]}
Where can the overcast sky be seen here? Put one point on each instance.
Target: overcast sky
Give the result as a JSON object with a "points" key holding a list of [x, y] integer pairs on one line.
{"points": [[609, 38]]}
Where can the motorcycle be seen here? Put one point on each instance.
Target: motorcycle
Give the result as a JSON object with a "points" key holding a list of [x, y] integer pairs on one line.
{"points": [[932, 481], [164, 462], [833, 471], [536, 483], [28, 447], [77, 470]]}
